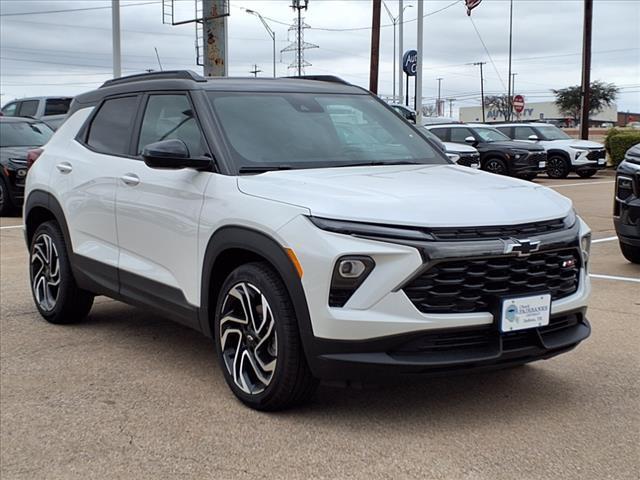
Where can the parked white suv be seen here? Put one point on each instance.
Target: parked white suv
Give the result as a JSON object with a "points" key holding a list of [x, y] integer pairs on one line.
{"points": [[308, 244], [51, 110], [564, 153]]}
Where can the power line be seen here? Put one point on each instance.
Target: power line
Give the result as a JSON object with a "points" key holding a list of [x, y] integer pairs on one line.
{"points": [[46, 12], [487, 51]]}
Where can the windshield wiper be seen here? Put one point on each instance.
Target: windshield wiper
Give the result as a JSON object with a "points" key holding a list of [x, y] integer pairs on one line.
{"points": [[377, 163], [264, 168]]}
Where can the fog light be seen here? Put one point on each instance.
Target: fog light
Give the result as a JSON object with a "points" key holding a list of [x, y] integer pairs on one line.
{"points": [[348, 274], [351, 268]]}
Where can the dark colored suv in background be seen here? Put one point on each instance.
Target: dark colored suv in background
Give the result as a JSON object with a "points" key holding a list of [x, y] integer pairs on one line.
{"points": [[498, 153], [626, 207], [17, 137]]}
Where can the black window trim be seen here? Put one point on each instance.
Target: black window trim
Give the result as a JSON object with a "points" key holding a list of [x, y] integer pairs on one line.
{"points": [[83, 135], [142, 108]]}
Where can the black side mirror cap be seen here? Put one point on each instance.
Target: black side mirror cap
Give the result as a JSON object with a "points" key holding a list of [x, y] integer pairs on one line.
{"points": [[172, 154]]}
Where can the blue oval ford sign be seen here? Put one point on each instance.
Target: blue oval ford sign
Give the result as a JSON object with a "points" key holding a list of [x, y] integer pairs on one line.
{"points": [[410, 62]]}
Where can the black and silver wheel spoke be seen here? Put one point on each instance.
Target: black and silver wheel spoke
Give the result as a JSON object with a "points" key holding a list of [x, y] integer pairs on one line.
{"points": [[248, 338], [45, 272]]}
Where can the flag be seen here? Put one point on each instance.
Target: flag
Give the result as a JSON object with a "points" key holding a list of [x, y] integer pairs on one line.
{"points": [[471, 4]]}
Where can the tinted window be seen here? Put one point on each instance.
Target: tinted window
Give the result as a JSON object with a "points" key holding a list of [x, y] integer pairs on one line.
{"points": [[10, 110], [28, 108], [171, 117], [508, 131], [491, 135], [57, 106], [523, 133], [24, 134], [459, 134], [110, 129], [441, 133], [316, 130], [551, 132]]}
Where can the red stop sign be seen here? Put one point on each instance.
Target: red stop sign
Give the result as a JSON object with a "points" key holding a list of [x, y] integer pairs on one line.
{"points": [[518, 103]]}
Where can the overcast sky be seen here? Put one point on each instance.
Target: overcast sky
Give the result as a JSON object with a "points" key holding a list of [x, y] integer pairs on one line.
{"points": [[70, 52]]}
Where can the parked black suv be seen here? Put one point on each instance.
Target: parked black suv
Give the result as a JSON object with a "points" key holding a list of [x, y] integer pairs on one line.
{"points": [[498, 153], [17, 137], [626, 207]]}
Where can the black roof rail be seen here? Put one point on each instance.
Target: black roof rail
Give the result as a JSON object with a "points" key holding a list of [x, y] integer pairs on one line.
{"points": [[322, 78], [166, 75]]}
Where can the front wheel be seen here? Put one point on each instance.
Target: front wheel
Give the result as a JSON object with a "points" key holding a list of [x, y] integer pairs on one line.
{"points": [[258, 342], [495, 165], [57, 297], [558, 167], [630, 252], [586, 173]]}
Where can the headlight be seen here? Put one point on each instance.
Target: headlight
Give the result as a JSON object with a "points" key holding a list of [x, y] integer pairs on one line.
{"points": [[579, 151], [585, 245], [369, 230], [454, 157], [348, 274], [570, 220], [519, 153]]}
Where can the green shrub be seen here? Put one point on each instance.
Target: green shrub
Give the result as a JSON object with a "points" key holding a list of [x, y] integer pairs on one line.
{"points": [[610, 134], [620, 143]]}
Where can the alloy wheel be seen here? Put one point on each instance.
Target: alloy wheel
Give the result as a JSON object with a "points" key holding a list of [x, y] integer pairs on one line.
{"points": [[494, 167], [555, 167], [248, 338], [45, 272]]}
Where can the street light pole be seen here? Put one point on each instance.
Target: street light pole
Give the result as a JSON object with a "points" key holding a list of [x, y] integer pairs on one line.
{"points": [[394, 21], [115, 33], [509, 91], [271, 33], [439, 98], [420, 45], [400, 49]]}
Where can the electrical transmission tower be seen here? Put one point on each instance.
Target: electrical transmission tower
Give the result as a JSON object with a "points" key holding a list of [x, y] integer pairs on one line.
{"points": [[299, 45]]}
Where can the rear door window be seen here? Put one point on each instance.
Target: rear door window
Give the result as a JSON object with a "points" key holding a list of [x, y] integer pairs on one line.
{"points": [[508, 131], [57, 106], [441, 133], [459, 134], [523, 133], [28, 108], [110, 129]]}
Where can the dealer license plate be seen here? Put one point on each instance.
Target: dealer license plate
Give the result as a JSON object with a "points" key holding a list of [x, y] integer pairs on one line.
{"points": [[520, 313], [542, 164]]}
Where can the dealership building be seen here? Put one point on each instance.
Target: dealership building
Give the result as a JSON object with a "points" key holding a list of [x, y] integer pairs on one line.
{"points": [[536, 112]]}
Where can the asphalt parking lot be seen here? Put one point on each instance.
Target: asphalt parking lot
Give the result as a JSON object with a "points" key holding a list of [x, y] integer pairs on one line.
{"points": [[129, 395]]}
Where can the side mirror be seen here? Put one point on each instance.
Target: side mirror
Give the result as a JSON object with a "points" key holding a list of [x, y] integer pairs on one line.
{"points": [[470, 140], [412, 117], [533, 138], [172, 154]]}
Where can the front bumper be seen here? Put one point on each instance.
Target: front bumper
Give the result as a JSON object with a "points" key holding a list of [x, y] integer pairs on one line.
{"points": [[589, 160], [15, 176], [626, 210], [533, 162], [446, 351]]}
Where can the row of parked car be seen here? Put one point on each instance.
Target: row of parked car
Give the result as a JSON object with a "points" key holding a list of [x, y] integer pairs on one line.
{"points": [[518, 149]]}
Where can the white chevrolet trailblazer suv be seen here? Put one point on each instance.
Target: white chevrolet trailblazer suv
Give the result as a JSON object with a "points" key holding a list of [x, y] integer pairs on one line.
{"points": [[309, 243], [564, 153]]}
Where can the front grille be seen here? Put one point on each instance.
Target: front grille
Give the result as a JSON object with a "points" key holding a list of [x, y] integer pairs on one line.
{"points": [[476, 285], [597, 154], [469, 159], [492, 233], [537, 157], [624, 188], [482, 339]]}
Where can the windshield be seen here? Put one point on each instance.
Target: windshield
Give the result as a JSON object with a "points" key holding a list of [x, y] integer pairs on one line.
{"points": [[491, 135], [24, 134], [551, 132], [296, 130]]}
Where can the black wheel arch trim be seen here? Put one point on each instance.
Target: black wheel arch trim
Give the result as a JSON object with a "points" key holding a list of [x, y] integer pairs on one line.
{"points": [[263, 245]]}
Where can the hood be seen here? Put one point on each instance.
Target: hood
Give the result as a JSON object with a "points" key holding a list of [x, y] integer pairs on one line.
{"points": [[531, 147], [633, 154], [573, 142], [410, 195], [459, 148]]}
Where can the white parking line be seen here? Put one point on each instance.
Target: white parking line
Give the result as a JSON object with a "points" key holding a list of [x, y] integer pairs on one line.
{"points": [[10, 227], [580, 184], [614, 277], [608, 239]]}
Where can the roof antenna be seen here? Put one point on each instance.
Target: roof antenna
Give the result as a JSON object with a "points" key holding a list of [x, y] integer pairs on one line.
{"points": [[158, 57]]}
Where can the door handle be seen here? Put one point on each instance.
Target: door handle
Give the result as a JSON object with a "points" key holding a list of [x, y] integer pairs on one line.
{"points": [[130, 179], [64, 167]]}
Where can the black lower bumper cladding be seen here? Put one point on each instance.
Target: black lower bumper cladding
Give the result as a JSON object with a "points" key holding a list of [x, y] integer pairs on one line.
{"points": [[447, 351]]}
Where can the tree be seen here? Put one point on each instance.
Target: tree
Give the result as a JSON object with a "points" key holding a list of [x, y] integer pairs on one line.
{"points": [[429, 111], [500, 104], [569, 100]]}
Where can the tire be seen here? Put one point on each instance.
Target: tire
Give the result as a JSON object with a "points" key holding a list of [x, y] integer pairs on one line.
{"points": [[263, 362], [558, 167], [6, 205], [586, 173], [495, 165], [54, 290], [630, 252]]}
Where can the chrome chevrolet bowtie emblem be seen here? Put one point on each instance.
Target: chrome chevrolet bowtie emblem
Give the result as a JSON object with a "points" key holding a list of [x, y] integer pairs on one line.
{"points": [[521, 247]]}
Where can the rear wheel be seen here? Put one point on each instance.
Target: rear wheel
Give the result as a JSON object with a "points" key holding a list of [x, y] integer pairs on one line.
{"points": [[258, 341], [630, 252], [56, 295], [586, 173], [558, 167], [495, 165]]}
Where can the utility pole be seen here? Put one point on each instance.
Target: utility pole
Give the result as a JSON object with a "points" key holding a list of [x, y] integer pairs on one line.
{"points": [[513, 84], [115, 33], [418, 80], [255, 70], [509, 92], [481, 87], [439, 98], [586, 69], [375, 47], [270, 32], [400, 49], [451, 100], [215, 37]]}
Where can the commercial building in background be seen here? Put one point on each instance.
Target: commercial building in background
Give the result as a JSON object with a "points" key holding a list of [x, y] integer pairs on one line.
{"points": [[537, 112]]}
